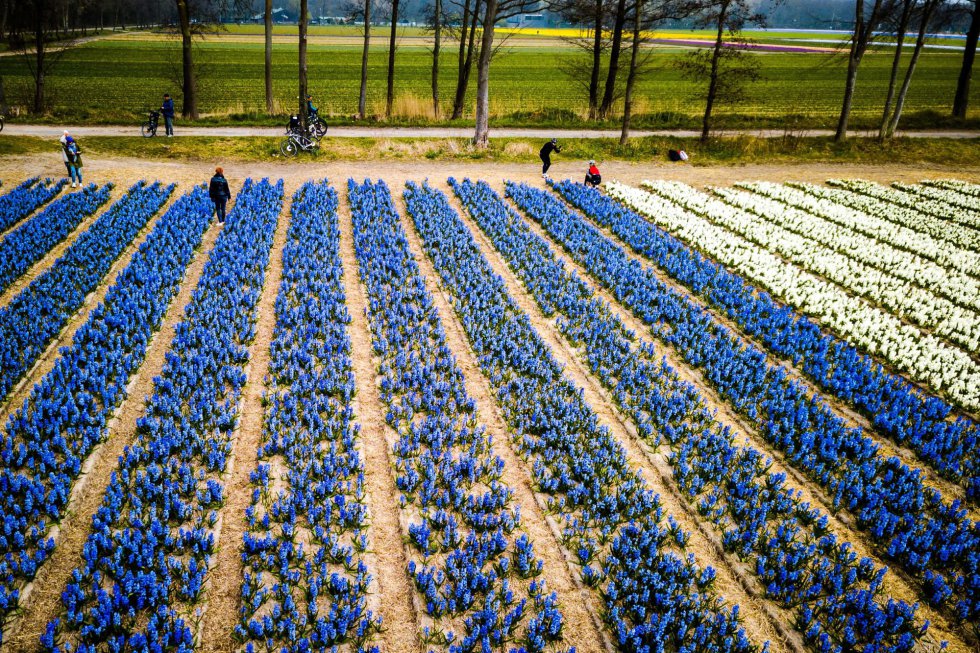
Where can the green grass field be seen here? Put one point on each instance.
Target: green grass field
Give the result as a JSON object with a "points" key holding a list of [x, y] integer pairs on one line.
{"points": [[114, 80]]}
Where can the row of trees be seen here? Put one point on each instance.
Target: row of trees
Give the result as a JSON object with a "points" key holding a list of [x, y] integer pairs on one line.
{"points": [[615, 57]]}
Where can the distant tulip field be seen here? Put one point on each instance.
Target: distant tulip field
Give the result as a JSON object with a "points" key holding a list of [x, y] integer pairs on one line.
{"points": [[459, 416]]}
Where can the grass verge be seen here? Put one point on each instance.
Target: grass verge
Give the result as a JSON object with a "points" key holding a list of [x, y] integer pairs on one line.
{"points": [[721, 151]]}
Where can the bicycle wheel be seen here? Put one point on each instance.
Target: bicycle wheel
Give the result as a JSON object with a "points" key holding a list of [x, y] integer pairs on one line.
{"points": [[148, 130], [319, 128], [1, 123], [289, 148]]}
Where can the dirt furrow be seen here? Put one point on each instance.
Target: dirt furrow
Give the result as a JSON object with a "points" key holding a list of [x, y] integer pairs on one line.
{"points": [[851, 417], [44, 602], [388, 564], [223, 593], [736, 583], [897, 584], [583, 628], [41, 265], [52, 353]]}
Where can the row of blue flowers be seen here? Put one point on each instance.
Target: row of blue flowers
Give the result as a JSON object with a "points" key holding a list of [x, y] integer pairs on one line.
{"points": [[911, 418], [140, 584], [37, 314], [836, 596], [911, 523], [46, 442], [473, 564], [29, 242], [655, 597], [306, 581], [19, 202]]}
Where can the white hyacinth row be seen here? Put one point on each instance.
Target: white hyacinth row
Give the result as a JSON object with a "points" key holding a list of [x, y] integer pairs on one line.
{"points": [[938, 206], [951, 197], [942, 252], [957, 234], [924, 308], [924, 357], [957, 185]]}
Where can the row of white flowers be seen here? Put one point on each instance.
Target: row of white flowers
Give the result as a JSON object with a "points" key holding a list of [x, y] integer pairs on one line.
{"points": [[949, 197], [924, 357], [940, 229], [957, 324], [955, 286], [939, 206], [957, 185], [942, 252]]}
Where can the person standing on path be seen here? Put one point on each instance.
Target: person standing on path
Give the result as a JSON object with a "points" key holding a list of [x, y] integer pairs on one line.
{"points": [[545, 154], [72, 157], [220, 194], [168, 113]]}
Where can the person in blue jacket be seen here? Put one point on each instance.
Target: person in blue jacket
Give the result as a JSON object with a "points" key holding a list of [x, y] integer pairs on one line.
{"points": [[219, 192], [168, 113]]}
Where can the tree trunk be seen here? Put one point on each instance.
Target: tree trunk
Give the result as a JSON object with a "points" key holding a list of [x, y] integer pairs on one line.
{"points": [[268, 56], [362, 98], [617, 44], [903, 24], [390, 97], [481, 138], [435, 58], [920, 41], [713, 78], [39, 60], [962, 99], [189, 82], [596, 62], [463, 78], [631, 76], [863, 31], [304, 21]]}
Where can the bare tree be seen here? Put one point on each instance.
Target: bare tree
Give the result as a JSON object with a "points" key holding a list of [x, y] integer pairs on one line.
{"points": [[437, 34], [33, 23], [926, 12], [631, 75], [865, 24], [304, 23], [961, 101], [390, 96], [362, 97], [468, 47], [903, 9], [268, 56], [612, 74]]}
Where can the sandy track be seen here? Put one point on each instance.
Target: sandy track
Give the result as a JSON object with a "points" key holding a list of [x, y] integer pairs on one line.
{"points": [[41, 265], [850, 415], [897, 584], [223, 594], [583, 628], [45, 601], [735, 582], [389, 562], [46, 361]]}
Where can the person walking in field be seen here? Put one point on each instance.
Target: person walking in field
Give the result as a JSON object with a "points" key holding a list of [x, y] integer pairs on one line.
{"points": [[167, 109], [545, 154], [71, 154], [220, 194], [592, 176]]}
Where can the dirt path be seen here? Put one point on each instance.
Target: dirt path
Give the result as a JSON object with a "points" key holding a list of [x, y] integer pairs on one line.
{"points": [[46, 131], [223, 594], [735, 581], [41, 265], [850, 416], [46, 361], [897, 584], [44, 603], [580, 606], [393, 589]]}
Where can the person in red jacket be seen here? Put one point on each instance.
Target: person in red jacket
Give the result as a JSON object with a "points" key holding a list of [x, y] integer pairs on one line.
{"points": [[592, 177]]}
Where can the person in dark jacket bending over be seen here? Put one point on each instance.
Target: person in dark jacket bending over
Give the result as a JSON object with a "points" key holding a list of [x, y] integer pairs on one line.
{"points": [[545, 154], [168, 113], [218, 189], [592, 177]]}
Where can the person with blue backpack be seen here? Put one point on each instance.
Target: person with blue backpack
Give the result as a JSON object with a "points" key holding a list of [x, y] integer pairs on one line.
{"points": [[167, 109], [71, 154]]}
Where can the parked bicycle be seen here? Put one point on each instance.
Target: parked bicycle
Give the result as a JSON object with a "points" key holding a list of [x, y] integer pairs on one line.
{"points": [[149, 128], [297, 140], [317, 126]]}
